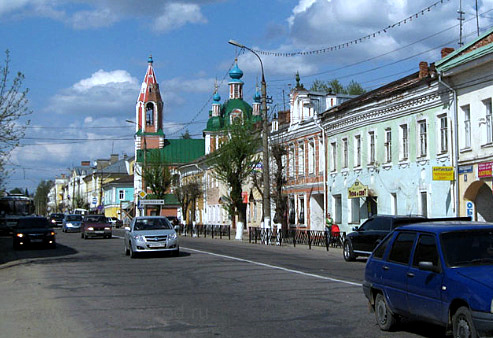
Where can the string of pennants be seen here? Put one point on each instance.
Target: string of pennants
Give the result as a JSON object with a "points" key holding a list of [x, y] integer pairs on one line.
{"points": [[356, 41]]}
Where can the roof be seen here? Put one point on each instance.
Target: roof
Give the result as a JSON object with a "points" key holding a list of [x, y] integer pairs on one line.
{"points": [[177, 151], [119, 167], [216, 123], [477, 48], [444, 226]]}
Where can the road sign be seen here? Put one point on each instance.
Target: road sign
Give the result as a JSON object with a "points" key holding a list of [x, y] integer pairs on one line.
{"points": [[142, 194], [470, 209], [151, 202]]}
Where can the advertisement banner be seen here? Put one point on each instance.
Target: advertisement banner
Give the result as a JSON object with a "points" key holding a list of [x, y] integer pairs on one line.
{"points": [[484, 169], [357, 190], [443, 173]]}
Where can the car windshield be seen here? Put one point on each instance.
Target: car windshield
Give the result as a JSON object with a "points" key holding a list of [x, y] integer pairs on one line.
{"points": [[29, 223], [72, 218], [152, 224], [95, 219], [57, 216], [468, 247]]}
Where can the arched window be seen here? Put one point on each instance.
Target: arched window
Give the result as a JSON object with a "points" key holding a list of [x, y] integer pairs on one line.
{"points": [[149, 114]]}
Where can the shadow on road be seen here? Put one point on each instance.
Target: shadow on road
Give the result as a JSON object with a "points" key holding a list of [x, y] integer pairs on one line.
{"points": [[8, 254]]}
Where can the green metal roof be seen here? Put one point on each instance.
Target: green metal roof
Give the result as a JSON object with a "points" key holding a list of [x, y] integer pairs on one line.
{"points": [[455, 58], [177, 151], [169, 199], [223, 121]]}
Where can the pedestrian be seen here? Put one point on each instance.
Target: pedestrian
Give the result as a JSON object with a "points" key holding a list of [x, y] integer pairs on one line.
{"points": [[328, 226]]}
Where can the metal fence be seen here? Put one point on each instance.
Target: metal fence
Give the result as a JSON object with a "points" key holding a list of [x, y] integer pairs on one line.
{"points": [[212, 230]]}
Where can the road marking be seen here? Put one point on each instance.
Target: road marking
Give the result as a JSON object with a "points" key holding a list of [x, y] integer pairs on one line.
{"points": [[276, 267]]}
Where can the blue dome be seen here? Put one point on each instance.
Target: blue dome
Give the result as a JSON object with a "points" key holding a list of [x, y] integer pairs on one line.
{"points": [[235, 72], [149, 60], [216, 97], [257, 97]]}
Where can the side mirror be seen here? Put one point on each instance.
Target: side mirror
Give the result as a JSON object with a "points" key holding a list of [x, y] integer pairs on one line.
{"points": [[428, 266], [355, 228], [127, 228]]}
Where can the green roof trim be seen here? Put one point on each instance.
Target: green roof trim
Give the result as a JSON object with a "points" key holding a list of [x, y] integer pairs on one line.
{"points": [[169, 199], [158, 133], [455, 59], [218, 123], [177, 151]]}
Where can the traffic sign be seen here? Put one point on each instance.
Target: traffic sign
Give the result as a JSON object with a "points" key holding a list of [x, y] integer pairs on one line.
{"points": [[142, 194], [151, 202]]}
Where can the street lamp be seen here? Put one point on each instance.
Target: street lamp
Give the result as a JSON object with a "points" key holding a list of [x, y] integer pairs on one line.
{"points": [[265, 138]]}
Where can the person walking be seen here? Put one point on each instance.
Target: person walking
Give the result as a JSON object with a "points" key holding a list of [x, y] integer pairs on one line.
{"points": [[328, 226]]}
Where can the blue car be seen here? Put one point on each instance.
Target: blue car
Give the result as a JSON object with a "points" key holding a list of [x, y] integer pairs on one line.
{"points": [[440, 272], [72, 223]]}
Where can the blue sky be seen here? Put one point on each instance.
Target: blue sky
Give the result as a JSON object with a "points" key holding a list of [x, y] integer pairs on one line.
{"points": [[84, 60]]}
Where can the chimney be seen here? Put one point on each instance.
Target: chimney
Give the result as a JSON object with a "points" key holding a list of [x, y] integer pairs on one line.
{"points": [[423, 69], [113, 158], [446, 51], [85, 163]]}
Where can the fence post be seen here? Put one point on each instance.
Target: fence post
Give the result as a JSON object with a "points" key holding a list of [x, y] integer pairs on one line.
{"points": [[229, 232], [327, 240], [294, 238], [309, 239]]}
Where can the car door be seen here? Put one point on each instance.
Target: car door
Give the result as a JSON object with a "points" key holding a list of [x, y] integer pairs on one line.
{"points": [[424, 286], [394, 271], [370, 234]]}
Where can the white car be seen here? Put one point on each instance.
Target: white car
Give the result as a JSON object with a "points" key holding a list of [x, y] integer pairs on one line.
{"points": [[150, 234]]}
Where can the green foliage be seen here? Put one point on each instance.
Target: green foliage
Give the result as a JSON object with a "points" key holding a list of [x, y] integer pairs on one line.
{"points": [[41, 197], [13, 106], [186, 135], [156, 174], [17, 191], [187, 195], [335, 87], [234, 162]]}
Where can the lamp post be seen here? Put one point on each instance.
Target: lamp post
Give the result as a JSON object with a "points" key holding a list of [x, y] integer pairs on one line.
{"points": [[139, 127], [265, 138]]}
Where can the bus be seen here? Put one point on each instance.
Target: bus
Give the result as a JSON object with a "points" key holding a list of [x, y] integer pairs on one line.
{"points": [[13, 207]]}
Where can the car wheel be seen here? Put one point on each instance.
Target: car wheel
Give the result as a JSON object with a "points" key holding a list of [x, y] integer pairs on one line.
{"points": [[81, 234], [462, 324], [125, 250], [348, 252], [16, 246], [385, 318], [176, 253], [133, 254]]}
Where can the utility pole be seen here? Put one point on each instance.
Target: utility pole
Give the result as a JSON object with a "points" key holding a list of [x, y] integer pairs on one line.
{"points": [[461, 22]]}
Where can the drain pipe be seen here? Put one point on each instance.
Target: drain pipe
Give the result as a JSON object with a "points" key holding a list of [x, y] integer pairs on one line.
{"points": [[456, 144], [317, 121]]}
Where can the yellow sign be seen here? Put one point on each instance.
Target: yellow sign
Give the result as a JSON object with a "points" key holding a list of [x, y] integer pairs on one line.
{"points": [[142, 194], [443, 173], [358, 190]]}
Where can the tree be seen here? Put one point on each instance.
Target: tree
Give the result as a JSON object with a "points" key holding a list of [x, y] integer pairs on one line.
{"points": [[278, 151], [335, 87], [156, 174], [41, 197], [320, 86], [16, 191], [187, 195], [234, 162], [13, 106], [186, 135], [354, 88]]}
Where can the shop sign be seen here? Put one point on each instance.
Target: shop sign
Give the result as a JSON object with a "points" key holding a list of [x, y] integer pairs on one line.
{"points": [[484, 169], [443, 173], [244, 196], [358, 190]]}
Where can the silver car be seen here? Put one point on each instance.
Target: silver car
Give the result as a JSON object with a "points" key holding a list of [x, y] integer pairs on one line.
{"points": [[150, 234], [71, 223]]}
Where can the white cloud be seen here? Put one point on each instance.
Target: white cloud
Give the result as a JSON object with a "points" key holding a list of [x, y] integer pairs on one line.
{"points": [[177, 15], [104, 93], [93, 19]]}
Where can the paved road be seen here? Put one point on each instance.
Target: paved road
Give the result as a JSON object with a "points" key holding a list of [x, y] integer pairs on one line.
{"points": [[89, 288]]}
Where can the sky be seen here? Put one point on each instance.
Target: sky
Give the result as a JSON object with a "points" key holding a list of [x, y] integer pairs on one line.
{"points": [[84, 61]]}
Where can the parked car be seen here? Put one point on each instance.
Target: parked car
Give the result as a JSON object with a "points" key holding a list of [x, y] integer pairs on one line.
{"points": [[151, 234], [56, 219], [440, 272], [32, 231], [364, 239], [72, 223], [95, 226]]}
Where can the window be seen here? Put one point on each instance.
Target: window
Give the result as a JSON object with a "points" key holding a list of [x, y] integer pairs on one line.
{"points": [[401, 249], [423, 143], [121, 195], [301, 159], [488, 122], [371, 142], [337, 209], [380, 250], [426, 251], [388, 145], [301, 208], [345, 153], [357, 151], [149, 114], [467, 126], [393, 201], [333, 149], [404, 142], [291, 161], [311, 157], [443, 134], [355, 210], [424, 203]]}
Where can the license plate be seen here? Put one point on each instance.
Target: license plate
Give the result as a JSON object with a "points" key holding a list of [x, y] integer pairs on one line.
{"points": [[99, 232], [36, 240], [157, 245]]}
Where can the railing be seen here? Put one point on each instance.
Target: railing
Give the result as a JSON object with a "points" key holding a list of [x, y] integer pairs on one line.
{"points": [[213, 230], [289, 236]]}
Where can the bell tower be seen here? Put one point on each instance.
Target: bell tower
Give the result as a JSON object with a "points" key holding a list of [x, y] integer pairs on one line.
{"points": [[149, 113]]}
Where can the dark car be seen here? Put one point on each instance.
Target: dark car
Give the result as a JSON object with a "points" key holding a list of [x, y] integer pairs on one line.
{"points": [[439, 272], [56, 219], [95, 226], [32, 231], [364, 239]]}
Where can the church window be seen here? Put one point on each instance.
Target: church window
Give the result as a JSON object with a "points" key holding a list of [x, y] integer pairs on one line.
{"points": [[149, 114]]}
